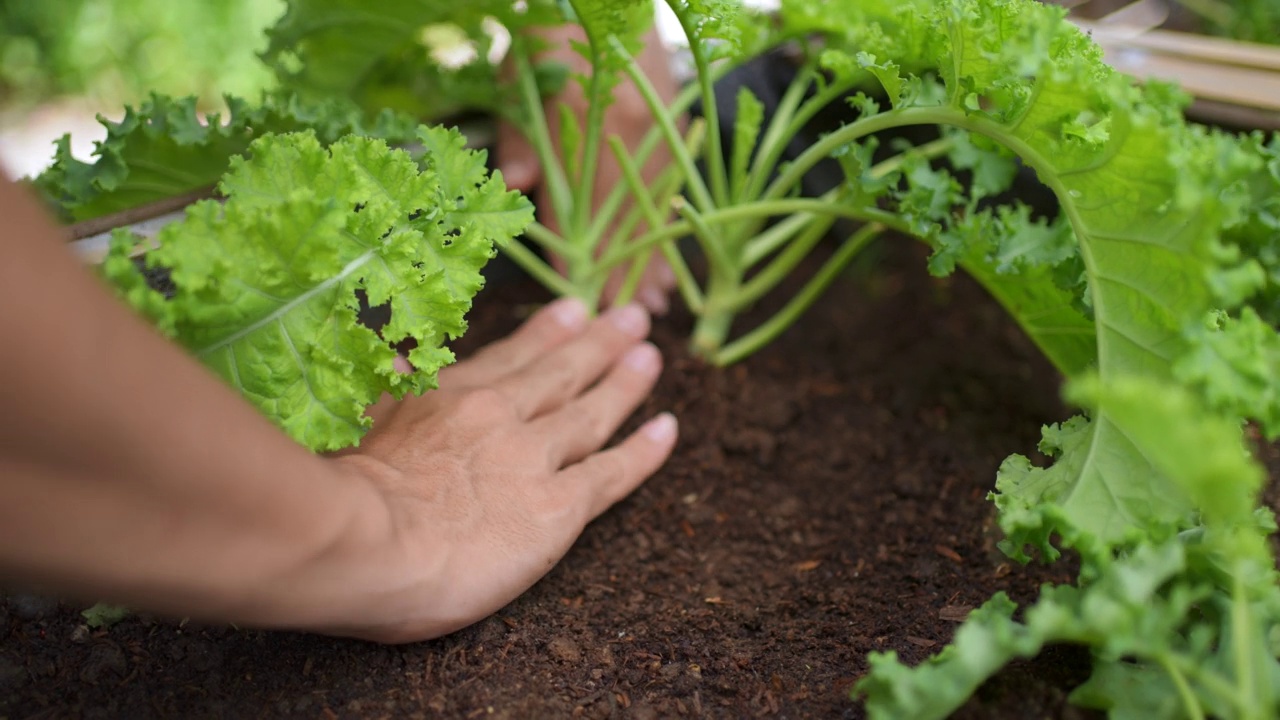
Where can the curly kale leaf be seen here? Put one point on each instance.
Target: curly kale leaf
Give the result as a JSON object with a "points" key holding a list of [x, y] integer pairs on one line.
{"points": [[164, 149], [266, 284]]}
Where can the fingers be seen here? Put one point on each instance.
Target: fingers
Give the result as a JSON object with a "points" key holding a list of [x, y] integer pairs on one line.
{"points": [[553, 325], [609, 476], [516, 158], [557, 377], [586, 424]]}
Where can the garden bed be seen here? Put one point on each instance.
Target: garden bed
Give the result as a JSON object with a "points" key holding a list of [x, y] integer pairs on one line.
{"points": [[827, 500]]}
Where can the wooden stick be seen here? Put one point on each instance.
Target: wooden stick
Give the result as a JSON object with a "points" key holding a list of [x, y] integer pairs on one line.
{"points": [[1189, 46]]}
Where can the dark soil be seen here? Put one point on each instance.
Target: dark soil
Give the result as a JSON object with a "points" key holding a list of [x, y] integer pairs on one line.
{"points": [[827, 500]]}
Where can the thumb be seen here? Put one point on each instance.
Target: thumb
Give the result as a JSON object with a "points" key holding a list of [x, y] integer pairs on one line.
{"points": [[517, 159]]}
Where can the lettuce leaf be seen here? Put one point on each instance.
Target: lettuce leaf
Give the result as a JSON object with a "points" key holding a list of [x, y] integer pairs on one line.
{"points": [[1179, 624], [164, 149], [266, 284], [1148, 198]]}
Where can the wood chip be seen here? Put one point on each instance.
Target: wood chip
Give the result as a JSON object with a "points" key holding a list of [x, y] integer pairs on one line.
{"points": [[955, 613], [921, 642], [948, 553], [807, 565]]}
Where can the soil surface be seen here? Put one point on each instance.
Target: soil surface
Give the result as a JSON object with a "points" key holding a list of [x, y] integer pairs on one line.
{"points": [[827, 500]]}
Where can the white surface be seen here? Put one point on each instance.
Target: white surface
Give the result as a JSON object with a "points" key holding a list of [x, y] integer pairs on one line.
{"points": [[28, 148]]}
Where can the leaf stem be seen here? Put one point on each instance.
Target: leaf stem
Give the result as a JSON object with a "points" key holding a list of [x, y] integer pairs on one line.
{"points": [[769, 161], [697, 187], [539, 270], [771, 329], [539, 134], [685, 281], [1189, 700], [714, 150]]}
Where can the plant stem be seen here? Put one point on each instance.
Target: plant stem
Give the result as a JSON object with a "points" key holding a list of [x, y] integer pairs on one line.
{"points": [[1189, 701], [685, 281], [759, 209], [824, 147], [544, 273], [646, 148], [697, 187], [715, 151], [785, 318], [719, 258], [776, 137], [549, 241], [539, 134], [1241, 637], [666, 187], [590, 150], [769, 161], [777, 271]]}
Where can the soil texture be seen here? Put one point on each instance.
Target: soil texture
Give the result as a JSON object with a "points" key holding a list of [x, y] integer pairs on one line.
{"points": [[827, 500]]}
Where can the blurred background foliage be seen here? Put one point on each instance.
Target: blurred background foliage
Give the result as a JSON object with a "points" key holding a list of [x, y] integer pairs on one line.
{"points": [[111, 52]]}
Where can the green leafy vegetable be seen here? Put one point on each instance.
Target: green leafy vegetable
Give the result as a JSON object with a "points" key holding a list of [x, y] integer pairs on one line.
{"points": [[266, 284], [1178, 623], [165, 149]]}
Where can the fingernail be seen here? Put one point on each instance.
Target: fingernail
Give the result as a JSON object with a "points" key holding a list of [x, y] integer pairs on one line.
{"points": [[655, 300], [661, 429], [644, 359], [569, 312], [630, 319]]}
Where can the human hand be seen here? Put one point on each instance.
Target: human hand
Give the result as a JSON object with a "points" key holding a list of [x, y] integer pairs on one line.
{"points": [[487, 481], [629, 119]]}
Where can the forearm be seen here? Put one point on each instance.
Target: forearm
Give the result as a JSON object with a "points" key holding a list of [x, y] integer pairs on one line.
{"points": [[129, 473]]}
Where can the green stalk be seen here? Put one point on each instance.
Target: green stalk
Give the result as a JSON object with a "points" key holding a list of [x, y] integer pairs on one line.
{"points": [[716, 320], [1240, 636], [685, 281], [542, 272], [645, 150], [770, 159], [715, 151], [776, 136], [719, 259], [753, 210], [1189, 701], [592, 135], [666, 188], [824, 148], [539, 134], [697, 187], [770, 330], [767, 242], [549, 241], [777, 271]]}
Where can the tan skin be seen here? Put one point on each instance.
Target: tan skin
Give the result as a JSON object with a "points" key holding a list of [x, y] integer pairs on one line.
{"points": [[130, 474]]}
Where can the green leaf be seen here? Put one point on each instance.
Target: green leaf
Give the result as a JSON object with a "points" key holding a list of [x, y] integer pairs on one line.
{"points": [[1235, 364], [164, 149], [1186, 613], [391, 52], [103, 615], [266, 285]]}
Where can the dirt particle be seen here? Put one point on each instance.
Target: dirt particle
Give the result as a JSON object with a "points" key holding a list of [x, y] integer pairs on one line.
{"points": [[563, 649], [105, 661]]}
